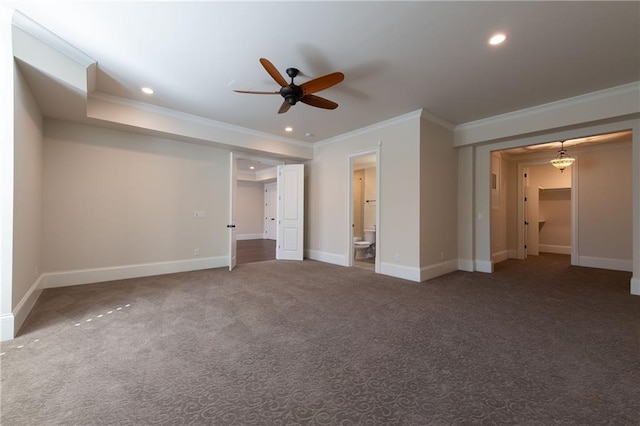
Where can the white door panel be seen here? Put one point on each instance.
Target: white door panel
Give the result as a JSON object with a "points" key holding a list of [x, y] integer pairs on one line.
{"points": [[290, 212]]}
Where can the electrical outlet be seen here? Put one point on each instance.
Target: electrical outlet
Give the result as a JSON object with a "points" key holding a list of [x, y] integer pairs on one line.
{"points": [[196, 252], [199, 214]]}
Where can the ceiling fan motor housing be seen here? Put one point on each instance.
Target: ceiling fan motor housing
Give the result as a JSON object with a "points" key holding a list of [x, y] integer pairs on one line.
{"points": [[291, 93]]}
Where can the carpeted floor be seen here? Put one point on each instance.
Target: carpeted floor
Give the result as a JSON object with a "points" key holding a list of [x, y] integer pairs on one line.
{"points": [[277, 342]]}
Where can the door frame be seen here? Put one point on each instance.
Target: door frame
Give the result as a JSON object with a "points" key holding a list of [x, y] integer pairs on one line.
{"points": [[574, 206], [349, 204], [233, 180], [266, 222]]}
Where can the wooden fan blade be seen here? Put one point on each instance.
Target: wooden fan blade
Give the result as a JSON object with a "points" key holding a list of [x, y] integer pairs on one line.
{"points": [[319, 102], [321, 83], [273, 72], [257, 93], [284, 107]]}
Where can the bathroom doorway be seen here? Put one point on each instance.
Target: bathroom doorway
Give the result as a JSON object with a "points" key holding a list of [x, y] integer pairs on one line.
{"points": [[363, 246]]}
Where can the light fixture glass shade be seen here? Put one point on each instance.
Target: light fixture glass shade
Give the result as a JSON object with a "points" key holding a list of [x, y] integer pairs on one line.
{"points": [[562, 160]]}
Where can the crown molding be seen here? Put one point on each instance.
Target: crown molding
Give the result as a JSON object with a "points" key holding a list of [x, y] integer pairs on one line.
{"points": [[399, 119], [437, 120], [48, 38]]}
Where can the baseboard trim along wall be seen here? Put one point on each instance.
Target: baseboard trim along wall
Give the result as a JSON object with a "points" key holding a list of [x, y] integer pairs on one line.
{"points": [[11, 323], [465, 265], [6, 327], [500, 256], [442, 268], [322, 256], [604, 263], [88, 276], [550, 248], [249, 236], [484, 266], [399, 271]]}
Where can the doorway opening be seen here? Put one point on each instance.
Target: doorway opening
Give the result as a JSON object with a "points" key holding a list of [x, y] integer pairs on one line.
{"points": [[535, 207], [548, 210], [255, 206], [363, 246]]}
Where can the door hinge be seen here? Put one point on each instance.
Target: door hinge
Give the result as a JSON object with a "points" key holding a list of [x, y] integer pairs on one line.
{"points": [[525, 246], [525, 198]]}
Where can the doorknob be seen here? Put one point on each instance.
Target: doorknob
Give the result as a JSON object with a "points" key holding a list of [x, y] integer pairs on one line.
{"points": [[273, 218], [231, 226]]}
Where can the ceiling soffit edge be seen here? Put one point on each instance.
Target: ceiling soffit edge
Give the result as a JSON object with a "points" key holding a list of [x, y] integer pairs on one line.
{"points": [[130, 103], [151, 119], [618, 102], [48, 38]]}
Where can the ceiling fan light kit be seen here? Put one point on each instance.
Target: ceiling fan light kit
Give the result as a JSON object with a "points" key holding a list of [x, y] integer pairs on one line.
{"points": [[293, 93]]}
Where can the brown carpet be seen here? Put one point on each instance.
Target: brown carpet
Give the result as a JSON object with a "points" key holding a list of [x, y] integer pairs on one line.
{"points": [[276, 342]]}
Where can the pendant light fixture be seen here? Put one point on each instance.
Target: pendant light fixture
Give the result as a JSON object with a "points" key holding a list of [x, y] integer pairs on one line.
{"points": [[562, 160]]}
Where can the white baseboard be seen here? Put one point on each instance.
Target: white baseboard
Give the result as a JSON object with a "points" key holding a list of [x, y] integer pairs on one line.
{"points": [[6, 327], [442, 268], [322, 256], [399, 271], [87, 276], [465, 265], [550, 248], [26, 304], [635, 286], [499, 256], [10, 324], [484, 266], [605, 263], [513, 254], [249, 236]]}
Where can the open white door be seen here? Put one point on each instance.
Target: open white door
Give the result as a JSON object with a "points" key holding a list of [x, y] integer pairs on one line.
{"points": [[290, 214], [233, 184]]}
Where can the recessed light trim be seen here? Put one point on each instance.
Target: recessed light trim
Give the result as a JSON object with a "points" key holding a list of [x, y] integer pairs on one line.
{"points": [[288, 129], [252, 167], [497, 39], [147, 90]]}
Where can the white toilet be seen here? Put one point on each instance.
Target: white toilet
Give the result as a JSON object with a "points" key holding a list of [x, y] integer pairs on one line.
{"points": [[365, 249]]}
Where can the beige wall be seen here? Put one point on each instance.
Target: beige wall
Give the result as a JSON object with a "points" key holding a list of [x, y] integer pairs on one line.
{"points": [[605, 202], [438, 195], [114, 198], [250, 209], [326, 209], [555, 212], [27, 222]]}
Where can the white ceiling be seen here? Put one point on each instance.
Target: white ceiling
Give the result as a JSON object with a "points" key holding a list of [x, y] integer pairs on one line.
{"points": [[396, 57]]}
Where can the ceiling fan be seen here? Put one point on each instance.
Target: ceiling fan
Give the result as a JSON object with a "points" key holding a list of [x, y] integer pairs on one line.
{"points": [[292, 93]]}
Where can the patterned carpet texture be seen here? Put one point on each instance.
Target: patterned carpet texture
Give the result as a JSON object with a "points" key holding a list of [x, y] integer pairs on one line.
{"points": [[279, 343]]}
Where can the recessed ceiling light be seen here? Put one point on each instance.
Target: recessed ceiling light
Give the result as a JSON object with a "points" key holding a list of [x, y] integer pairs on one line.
{"points": [[252, 168], [288, 129], [147, 90], [497, 39], [309, 134]]}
